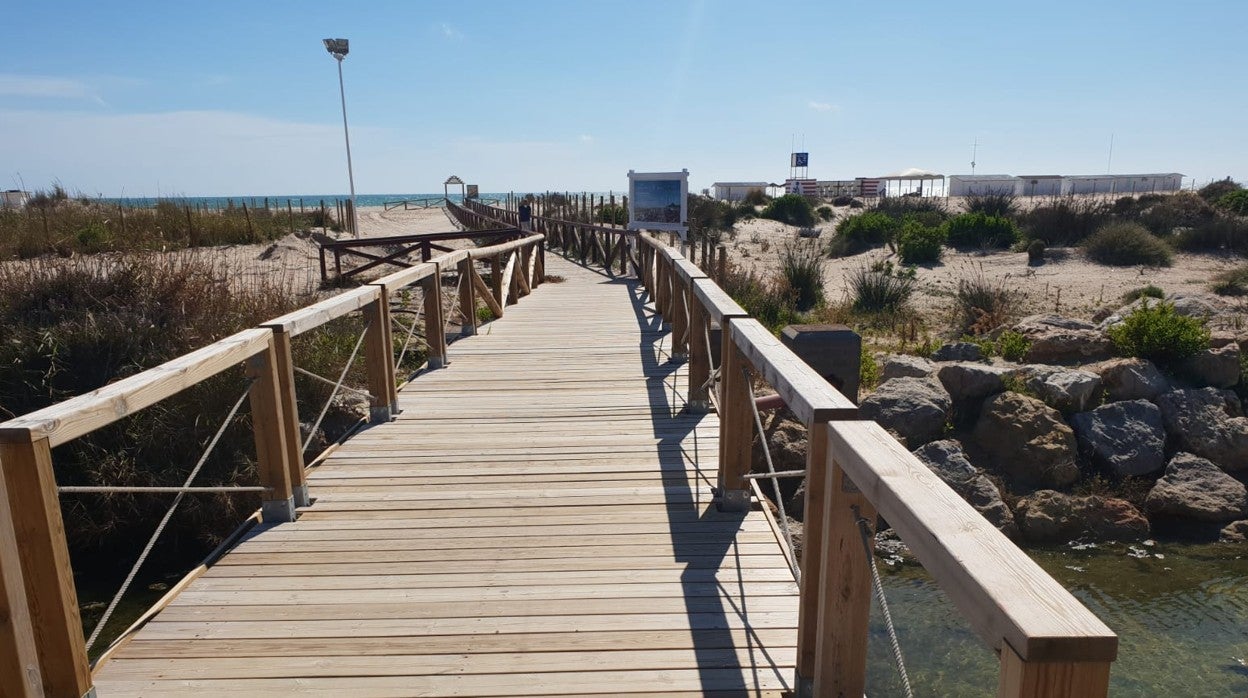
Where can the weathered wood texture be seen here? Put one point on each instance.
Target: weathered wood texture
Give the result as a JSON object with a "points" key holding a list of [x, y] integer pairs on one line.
{"points": [[536, 521]]}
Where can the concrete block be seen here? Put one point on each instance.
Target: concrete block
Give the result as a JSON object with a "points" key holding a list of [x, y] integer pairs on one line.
{"points": [[834, 351]]}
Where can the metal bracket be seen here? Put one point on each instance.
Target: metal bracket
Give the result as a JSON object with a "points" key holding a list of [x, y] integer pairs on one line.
{"points": [[278, 510], [301, 497], [733, 500], [379, 414], [805, 686], [698, 407]]}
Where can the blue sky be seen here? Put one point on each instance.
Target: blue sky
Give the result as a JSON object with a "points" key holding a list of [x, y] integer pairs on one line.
{"points": [[125, 98]]}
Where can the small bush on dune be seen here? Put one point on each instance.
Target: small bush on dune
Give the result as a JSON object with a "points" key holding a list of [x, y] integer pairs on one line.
{"points": [[1127, 244], [901, 206], [881, 287], [756, 197], [801, 265], [825, 213], [1216, 190], [918, 243], [1035, 252], [1222, 232], [1155, 331], [1002, 203], [980, 230], [1066, 220], [1233, 282], [1236, 202], [769, 302], [862, 232], [1012, 346], [982, 304], [612, 213], [1149, 291], [1177, 211], [792, 209]]}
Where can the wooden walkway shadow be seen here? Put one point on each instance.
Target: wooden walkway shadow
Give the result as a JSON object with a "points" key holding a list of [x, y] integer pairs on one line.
{"points": [[537, 521]]}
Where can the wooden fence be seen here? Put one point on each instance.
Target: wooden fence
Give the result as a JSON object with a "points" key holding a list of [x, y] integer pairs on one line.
{"points": [[1049, 644], [42, 650]]}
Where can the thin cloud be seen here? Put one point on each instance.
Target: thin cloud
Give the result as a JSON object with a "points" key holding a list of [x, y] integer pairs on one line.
{"points": [[46, 87], [450, 32], [822, 106], [585, 138]]}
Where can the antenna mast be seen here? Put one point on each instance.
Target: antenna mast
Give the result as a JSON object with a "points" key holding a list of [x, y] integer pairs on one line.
{"points": [[974, 152]]}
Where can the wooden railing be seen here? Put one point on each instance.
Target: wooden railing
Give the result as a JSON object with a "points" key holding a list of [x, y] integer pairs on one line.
{"points": [[42, 650], [1048, 643]]}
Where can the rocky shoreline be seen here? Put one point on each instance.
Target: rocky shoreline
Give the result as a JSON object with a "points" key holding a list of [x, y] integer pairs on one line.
{"points": [[1069, 443]]}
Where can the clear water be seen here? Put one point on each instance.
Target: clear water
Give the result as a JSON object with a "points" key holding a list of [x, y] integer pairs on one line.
{"points": [[1182, 623]]}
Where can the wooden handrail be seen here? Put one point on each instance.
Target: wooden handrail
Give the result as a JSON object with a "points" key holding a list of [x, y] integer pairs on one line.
{"points": [[299, 321]]}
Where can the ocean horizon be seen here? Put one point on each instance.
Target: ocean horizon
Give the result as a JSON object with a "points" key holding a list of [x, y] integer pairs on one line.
{"points": [[308, 200]]}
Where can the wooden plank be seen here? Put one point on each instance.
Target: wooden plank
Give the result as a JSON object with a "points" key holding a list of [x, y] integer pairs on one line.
{"points": [[1022, 679], [20, 675], [66, 421], [983, 573], [718, 304], [487, 294], [269, 430], [35, 511], [297, 322], [509, 270], [803, 390], [418, 272]]}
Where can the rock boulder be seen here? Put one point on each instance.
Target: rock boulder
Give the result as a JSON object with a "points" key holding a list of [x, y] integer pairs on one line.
{"points": [[972, 381], [1130, 379], [958, 351], [1052, 517], [1218, 368], [1127, 438], [1027, 440], [1207, 422], [1059, 340], [914, 409], [905, 366], [1066, 389], [1194, 488], [949, 462]]}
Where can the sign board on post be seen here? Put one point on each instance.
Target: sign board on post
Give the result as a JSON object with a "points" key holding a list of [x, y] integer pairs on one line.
{"points": [[800, 160], [658, 201], [472, 192]]}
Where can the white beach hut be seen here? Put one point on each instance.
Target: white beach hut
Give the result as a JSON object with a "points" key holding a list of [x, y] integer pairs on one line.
{"points": [[735, 191], [978, 185]]}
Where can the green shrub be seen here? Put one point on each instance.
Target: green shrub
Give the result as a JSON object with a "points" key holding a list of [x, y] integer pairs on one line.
{"points": [[901, 206], [756, 197], [862, 232], [1155, 331], [768, 302], [881, 287], [613, 213], [868, 370], [918, 243], [1177, 211], [1232, 282], [1001, 203], [979, 230], [801, 265], [1216, 190], [843, 200], [1236, 202], [825, 213], [93, 237], [792, 209], [1149, 291], [1035, 253], [745, 211], [1066, 220], [1124, 244], [1012, 346], [1222, 232]]}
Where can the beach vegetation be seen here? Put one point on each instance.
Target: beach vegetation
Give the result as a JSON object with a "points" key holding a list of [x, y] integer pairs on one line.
{"points": [[825, 213], [881, 287], [925, 208], [981, 231], [862, 232], [1149, 291], [1125, 244], [792, 209], [771, 301], [982, 304], [1234, 202], [1232, 282], [918, 243], [615, 214], [1012, 346], [1181, 211], [756, 197], [993, 203], [1065, 220], [801, 266], [1035, 253], [1217, 189], [1157, 332]]}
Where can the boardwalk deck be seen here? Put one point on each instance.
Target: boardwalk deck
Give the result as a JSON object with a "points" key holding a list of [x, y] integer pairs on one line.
{"points": [[537, 521]]}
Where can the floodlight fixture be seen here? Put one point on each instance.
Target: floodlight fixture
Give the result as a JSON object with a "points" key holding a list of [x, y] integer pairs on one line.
{"points": [[336, 47]]}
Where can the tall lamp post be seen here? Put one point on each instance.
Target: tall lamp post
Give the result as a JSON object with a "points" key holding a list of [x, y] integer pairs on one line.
{"points": [[338, 49]]}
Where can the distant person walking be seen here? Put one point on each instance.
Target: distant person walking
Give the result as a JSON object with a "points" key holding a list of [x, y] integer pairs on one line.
{"points": [[526, 217]]}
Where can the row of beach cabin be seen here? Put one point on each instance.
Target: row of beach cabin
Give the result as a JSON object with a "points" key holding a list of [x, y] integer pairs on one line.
{"points": [[917, 182]]}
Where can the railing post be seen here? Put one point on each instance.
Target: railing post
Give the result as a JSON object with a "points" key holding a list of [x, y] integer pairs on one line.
{"points": [[35, 510], [539, 264], [735, 426], [19, 654], [379, 358], [721, 265], [435, 322], [290, 416], [269, 429], [496, 278], [844, 586], [680, 317], [813, 553], [467, 298], [663, 288], [699, 359], [1023, 679]]}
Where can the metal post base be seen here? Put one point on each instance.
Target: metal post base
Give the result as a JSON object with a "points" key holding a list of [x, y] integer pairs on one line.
{"points": [[278, 510], [805, 686], [379, 414], [733, 500], [467, 331], [90, 693], [301, 497], [698, 406], [680, 358], [436, 362]]}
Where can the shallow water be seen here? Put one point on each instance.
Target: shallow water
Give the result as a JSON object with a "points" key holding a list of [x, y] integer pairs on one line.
{"points": [[1181, 619]]}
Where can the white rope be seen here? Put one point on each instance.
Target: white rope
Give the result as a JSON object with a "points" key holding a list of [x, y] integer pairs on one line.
{"points": [[771, 468], [864, 527], [160, 528], [91, 489], [326, 381], [337, 386], [408, 340]]}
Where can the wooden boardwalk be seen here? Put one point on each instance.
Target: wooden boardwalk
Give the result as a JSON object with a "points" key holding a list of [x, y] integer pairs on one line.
{"points": [[537, 521]]}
